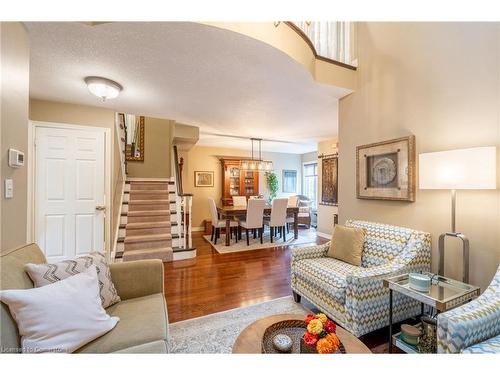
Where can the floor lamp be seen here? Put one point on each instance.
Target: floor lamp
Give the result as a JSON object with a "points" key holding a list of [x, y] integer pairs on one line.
{"points": [[463, 169]]}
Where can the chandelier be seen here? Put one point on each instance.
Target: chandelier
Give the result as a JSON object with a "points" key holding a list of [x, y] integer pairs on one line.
{"points": [[256, 164]]}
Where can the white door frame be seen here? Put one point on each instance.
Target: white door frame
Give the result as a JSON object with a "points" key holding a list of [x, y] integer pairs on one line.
{"points": [[108, 199]]}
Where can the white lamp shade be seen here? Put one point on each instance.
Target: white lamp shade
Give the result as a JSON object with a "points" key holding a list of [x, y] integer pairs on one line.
{"points": [[469, 168]]}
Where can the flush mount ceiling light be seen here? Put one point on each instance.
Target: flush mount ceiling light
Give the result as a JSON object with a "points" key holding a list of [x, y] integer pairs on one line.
{"points": [[103, 88]]}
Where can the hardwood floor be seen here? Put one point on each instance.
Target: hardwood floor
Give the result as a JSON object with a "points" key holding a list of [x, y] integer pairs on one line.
{"points": [[214, 282]]}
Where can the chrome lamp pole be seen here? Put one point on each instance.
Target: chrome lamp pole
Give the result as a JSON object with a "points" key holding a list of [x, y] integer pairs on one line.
{"points": [[454, 233]]}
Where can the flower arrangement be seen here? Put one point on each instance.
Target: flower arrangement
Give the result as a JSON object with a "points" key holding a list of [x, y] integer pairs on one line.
{"points": [[321, 334]]}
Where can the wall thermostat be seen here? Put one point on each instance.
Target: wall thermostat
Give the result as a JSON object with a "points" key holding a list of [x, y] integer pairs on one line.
{"points": [[16, 158]]}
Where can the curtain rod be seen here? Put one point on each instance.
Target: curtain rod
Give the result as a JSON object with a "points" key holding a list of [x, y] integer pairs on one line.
{"points": [[335, 154]]}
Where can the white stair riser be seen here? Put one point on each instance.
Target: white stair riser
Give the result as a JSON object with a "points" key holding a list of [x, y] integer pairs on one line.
{"points": [[120, 246]]}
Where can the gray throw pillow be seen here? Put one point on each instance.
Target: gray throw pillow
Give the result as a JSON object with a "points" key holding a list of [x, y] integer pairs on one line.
{"points": [[45, 274]]}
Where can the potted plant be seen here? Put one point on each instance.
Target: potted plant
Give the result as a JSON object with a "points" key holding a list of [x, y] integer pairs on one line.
{"points": [[272, 185]]}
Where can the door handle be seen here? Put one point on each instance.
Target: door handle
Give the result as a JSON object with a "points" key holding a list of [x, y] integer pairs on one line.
{"points": [[100, 208]]}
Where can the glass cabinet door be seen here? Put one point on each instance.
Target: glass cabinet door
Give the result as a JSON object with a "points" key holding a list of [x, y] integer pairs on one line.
{"points": [[234, 181], [248, 180]]}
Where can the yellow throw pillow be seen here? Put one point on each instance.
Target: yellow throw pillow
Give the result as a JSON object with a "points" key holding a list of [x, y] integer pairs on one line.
{"points": [[347, 244]]}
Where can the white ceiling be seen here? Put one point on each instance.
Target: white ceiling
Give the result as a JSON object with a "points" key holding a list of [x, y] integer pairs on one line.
{"points": [[224, 82]]}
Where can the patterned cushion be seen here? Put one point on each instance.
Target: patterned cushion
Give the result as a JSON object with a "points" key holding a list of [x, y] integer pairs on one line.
{"points": [[470, 324], [44, 274], [491, 346], [326, 274], [382, 242]]}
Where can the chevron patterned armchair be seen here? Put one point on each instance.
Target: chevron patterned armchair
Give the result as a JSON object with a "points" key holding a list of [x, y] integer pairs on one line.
{"points": [[355, 296], [473, 327]]}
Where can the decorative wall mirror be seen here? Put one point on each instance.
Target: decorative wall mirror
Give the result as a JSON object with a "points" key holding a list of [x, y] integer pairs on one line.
{"points": [[134, 135]]}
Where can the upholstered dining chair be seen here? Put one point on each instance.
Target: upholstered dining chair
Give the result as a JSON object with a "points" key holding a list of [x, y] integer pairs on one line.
{"points": [[277, 221], [217, 223], [240, 200], [293, 201], [254, 219]]}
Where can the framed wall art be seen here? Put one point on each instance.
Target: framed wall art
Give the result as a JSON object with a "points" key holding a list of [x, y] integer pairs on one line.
{"points": [[386, 170], [204, 178], [329, 180]]}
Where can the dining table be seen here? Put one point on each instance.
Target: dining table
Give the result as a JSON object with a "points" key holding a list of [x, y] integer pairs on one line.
{"points": [[229, 212]]}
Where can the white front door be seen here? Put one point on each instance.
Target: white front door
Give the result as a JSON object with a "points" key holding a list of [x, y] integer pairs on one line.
{"points": [[69, 191]]}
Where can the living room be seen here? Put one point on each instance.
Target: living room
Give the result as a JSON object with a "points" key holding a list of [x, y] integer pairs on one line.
{"points": [[251, 187]]}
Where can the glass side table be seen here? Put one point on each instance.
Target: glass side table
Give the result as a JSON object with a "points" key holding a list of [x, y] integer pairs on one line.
{"points": [[444, 294]]}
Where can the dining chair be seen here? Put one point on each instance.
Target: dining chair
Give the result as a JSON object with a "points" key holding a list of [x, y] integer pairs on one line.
{"points": [[254, 219], [217, 224], [240, 200], [277, 221], [293, 201]]}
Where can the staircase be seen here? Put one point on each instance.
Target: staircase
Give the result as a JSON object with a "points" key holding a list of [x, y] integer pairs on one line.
{"points": [[155, 217]]}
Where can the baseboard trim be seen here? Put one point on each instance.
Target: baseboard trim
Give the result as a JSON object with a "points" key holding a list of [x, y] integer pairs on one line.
{"points": [[197, 229], [324, 235]]}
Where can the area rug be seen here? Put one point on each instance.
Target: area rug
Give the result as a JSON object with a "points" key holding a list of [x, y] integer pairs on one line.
{"points": [[306, 236], [216, 333]]}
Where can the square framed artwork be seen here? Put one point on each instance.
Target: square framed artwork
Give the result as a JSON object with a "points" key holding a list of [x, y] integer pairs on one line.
{"points": [[386, 170], [203, 178]]}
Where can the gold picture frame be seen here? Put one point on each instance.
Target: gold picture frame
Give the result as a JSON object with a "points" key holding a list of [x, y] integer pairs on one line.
{"points": [[386, 170], [203, 178], [139, 156]]}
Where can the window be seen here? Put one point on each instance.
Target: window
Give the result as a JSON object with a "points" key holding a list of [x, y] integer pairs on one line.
{"points": [[310, 188], [289, 181]]}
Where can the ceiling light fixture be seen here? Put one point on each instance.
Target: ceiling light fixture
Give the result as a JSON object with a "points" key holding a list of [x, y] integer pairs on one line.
{"points": [[103, 88], [258, 165]]}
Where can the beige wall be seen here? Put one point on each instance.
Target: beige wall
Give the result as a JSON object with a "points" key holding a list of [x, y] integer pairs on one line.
{"points": [[158, 150], [325, 213], [14, 130], [201, 158], [439, 81], [49, 111], [290, 42]]}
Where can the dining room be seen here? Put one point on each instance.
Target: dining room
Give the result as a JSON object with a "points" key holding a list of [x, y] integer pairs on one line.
{"points": [[246, 201]]}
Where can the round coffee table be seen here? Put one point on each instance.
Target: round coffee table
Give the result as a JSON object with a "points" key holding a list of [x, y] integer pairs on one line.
{"points": [[250, 339]]}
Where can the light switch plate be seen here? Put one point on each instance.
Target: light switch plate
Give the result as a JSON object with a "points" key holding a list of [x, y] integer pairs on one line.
{"points": [[9, 188]]}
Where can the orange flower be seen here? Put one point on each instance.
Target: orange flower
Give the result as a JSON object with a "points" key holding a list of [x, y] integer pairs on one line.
{"points": [[329, 344], [324, 346], [333, 338]]}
